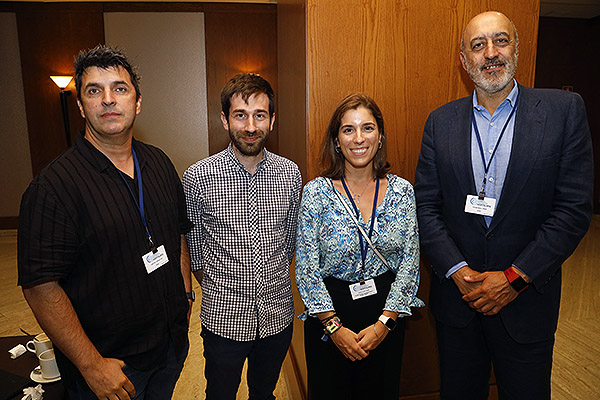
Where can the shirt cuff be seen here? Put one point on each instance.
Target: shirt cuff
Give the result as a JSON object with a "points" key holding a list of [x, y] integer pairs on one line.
{"points": [[455, 268], [521, 271]]}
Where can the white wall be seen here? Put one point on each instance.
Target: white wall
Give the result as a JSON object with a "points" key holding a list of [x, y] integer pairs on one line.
{"points": [[15, 160], [168, 50]]}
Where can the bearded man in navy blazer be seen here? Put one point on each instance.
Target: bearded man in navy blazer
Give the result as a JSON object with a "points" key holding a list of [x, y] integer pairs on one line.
{"points": [[504, 195]]}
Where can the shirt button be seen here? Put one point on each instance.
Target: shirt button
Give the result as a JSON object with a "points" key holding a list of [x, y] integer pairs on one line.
{"points": [[491, 124], [491, 151], [491, 179]]}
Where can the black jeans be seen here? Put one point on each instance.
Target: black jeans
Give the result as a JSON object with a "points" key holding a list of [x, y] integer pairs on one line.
{"points": [[155, 384], [225, 359]]}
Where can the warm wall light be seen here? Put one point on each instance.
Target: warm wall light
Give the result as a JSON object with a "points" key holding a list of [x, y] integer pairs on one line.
{"points": [[61, 81]]}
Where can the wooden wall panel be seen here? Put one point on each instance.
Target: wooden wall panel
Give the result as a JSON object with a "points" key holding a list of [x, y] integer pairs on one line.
{"points": [[291, 36], [239, 38], [404, 54], [291, 32], [49, 37]]}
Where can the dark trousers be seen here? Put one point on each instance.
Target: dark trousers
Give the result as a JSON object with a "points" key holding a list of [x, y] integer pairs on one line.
{"points": [[225, 359], [333, 376], [466, 355], [155, 384]]}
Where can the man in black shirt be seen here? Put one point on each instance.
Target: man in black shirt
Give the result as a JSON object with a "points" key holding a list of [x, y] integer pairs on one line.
{"points": [[102, 258]]}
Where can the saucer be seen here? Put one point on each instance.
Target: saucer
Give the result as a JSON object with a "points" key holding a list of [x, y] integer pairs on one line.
{"points": [[38, 378]]}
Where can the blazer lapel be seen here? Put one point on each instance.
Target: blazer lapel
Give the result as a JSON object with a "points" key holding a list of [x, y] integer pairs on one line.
{"points": [[460, 145], [527, 138], [460, 149]]}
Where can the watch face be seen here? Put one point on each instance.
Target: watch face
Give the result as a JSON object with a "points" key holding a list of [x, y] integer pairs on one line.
{"points": [[519, 284], [388, 322], [515, 280], [391, 324]]}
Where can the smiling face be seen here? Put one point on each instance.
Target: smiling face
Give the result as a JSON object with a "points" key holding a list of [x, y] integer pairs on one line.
{"points": [[358, 138], [108, 102], [490, 52], [248, 124]]}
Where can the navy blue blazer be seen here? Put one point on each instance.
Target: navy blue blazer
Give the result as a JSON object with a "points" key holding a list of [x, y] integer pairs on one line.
{"points": [[544, 209]]}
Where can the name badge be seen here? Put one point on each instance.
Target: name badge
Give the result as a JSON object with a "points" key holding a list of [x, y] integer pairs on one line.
{"points": [[363, 289], [485, 206], [155, 260]]}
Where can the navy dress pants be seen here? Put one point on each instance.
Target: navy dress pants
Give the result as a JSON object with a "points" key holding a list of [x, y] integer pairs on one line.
{"points": [[466, 355]]}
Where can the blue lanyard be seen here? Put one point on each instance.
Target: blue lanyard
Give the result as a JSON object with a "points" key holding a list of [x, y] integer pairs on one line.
{"points": [[140, 200], [363, 248], [486, 167]]}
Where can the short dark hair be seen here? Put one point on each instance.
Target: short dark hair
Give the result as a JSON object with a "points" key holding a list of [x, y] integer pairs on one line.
{"points": [[246, 85], [104, 57], [333, 161]]}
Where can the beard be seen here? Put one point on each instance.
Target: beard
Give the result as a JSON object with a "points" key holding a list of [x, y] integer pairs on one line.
{"points": [[249, 149], [495, 81]]}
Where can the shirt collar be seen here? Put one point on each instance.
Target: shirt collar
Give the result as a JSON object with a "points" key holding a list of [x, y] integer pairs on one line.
{"points": [[96, 157], [510, 99], [237, 163]]}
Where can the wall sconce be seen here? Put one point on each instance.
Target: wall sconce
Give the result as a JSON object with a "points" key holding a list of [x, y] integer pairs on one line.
{"points": [[62, 82]]}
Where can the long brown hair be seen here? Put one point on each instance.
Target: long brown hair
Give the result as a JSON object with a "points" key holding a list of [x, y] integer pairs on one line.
{"points": [[333, 161]]}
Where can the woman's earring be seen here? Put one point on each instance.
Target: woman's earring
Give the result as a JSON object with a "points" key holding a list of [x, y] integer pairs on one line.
{"points": [[380, 144], [338, 148]]}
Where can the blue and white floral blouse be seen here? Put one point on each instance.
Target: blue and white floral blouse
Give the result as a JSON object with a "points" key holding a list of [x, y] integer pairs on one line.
{"points": [[327, 244]]}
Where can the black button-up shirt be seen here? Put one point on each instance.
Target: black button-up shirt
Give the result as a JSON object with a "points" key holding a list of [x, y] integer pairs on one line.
{"points": [[80, 225]]}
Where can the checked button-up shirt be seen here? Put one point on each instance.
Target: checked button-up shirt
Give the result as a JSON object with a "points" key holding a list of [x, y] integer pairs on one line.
{"points": [[243, 239]]}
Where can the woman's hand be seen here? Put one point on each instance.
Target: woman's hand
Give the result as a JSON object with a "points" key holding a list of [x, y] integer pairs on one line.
{"points": [[347, 342], [370, 337]]}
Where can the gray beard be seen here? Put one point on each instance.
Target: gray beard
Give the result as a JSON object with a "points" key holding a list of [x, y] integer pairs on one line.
{"points": [[497, 82]]}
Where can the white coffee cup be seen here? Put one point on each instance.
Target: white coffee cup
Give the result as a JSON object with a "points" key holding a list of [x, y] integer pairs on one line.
{"points": [[48, 364], [40, 343]]}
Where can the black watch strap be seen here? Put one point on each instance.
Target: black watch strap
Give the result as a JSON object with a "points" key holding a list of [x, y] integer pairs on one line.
{"points": [[516, 281], [389, 323]]}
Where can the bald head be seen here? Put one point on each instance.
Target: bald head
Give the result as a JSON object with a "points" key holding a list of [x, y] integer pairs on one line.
{"points": [[488, 20], [490, 53]]}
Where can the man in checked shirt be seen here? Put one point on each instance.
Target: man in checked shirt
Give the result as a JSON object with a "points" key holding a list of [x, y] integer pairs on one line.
{"points": [[244, 204]]}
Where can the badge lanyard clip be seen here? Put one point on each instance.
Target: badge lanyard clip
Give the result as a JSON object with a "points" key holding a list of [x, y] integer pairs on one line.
{"points": [[481, 195]]}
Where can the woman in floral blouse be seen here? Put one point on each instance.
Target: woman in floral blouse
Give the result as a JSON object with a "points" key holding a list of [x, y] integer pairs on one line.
{"points": [[355, 298]]}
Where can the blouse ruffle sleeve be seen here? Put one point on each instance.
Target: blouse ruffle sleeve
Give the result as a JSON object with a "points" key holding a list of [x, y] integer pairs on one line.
{"points": [[403, 293], [308, 272]]}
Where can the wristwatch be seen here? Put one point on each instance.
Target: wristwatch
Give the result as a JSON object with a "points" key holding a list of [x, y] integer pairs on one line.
{"points": [[516, 281], [191, 296], [389, 323]]}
